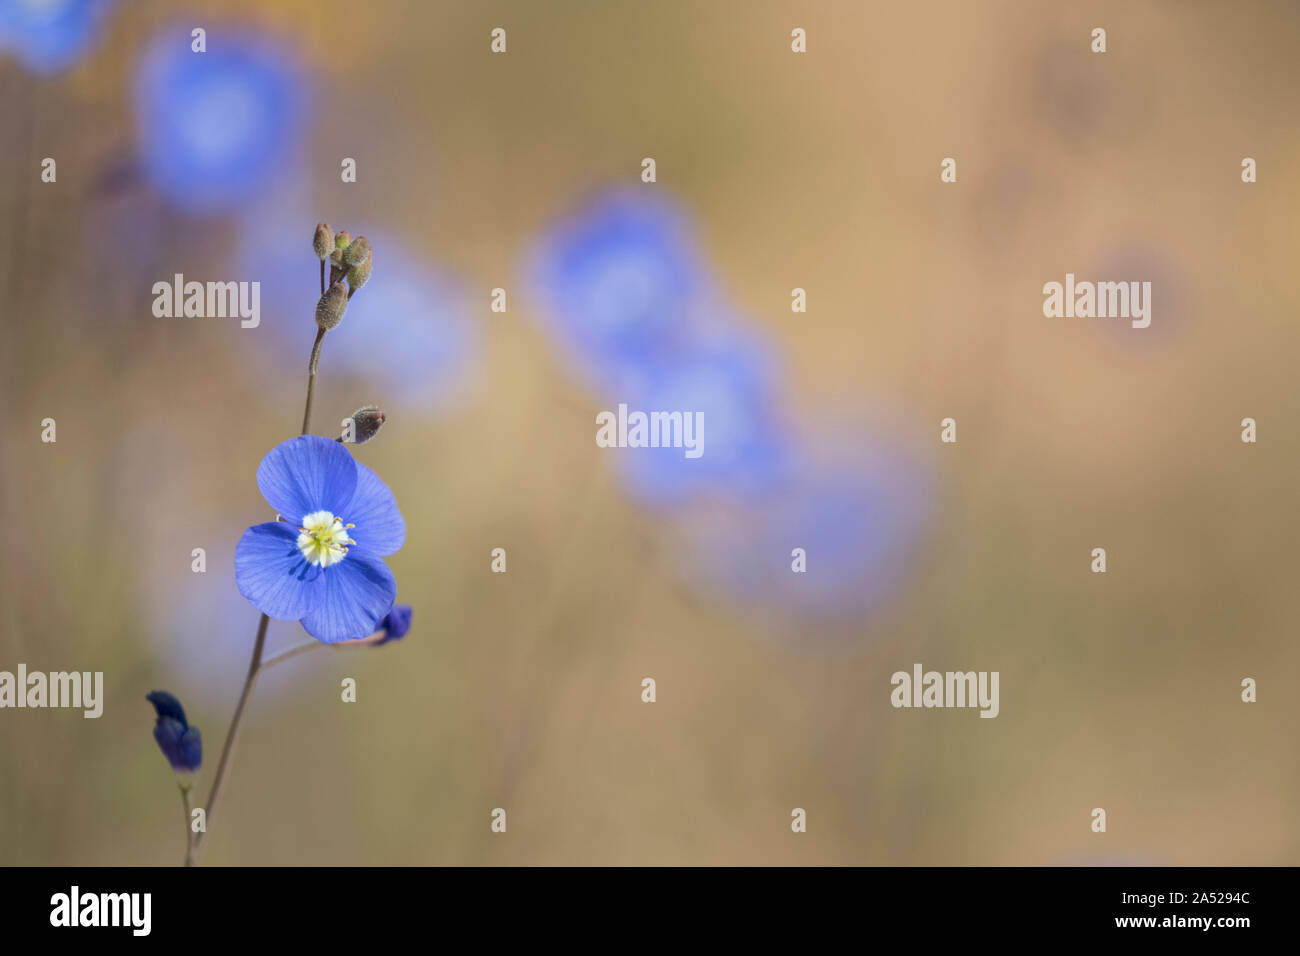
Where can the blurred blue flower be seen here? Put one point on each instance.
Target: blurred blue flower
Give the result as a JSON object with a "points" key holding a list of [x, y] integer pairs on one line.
{"points": [[179, 742], [619, 283], [420, 315], [218, 128], [1174, 315], [309, 567], [50, 35], [395, 624], [196, 627], [859, 518], [731, 382]]}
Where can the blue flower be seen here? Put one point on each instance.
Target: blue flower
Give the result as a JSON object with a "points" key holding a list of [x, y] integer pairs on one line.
{"points": [[621, 282], [320, 564], [51, 35], [395, 624], [216, 128], [179, 742]]}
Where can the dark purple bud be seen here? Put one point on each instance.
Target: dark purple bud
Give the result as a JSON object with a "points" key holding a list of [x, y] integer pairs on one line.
{"points": [[395, 624], [179, 742]]}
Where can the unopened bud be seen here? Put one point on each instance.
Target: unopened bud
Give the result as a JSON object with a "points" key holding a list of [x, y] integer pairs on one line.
{"points": [[323, 241], [360, 275], [330, 308], [358, 252], [366, 422], [342, 239]]}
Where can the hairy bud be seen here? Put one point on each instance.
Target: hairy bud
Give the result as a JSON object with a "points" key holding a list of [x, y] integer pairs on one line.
{"points": [[323, 241], [330, 308], [358, 252], [359, 275], [342, 239], [366, 422]]}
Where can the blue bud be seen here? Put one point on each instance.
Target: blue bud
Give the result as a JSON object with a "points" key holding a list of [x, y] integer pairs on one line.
{"points": [[179, 742], [167, 706], [395, 625]]}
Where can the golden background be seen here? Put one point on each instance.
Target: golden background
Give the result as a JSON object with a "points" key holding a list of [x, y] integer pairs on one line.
{"points": [[522, 690]]}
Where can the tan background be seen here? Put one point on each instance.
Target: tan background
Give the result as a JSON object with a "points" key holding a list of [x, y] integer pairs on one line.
{"points": [[522, 690]]}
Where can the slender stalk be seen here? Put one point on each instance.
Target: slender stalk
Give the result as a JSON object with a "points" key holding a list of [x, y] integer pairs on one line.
{"points": [[255, 666], [189, 832], [291, 652], [233, 733], [311, 379]]}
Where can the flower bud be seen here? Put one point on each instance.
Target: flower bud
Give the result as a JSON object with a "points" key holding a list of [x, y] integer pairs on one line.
{"points": [[359, 275], [366, 422], [358, 252], [180, 743], [330, 308], [342, 239], [323, 241]]}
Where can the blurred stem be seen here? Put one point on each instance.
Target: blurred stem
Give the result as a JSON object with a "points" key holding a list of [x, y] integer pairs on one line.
{"points": [[189, 833], [311, 379], [233, 733]]}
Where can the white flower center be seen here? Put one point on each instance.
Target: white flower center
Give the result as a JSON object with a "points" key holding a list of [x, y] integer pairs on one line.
{"points": [[323, 538]]}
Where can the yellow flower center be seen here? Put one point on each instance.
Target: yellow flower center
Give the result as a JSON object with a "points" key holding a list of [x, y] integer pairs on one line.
{"points": [[323, 538]]}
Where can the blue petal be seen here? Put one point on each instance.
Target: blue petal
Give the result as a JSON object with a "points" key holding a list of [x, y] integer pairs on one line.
{"points": [[272, 573], [357, 593], [380, 528], [307, 474], [167, 706]]}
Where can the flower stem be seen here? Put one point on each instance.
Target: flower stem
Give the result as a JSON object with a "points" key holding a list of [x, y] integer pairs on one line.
{"points": [[233, 733], [311, 379], [189, 833], [291, 652], [255, 665]]}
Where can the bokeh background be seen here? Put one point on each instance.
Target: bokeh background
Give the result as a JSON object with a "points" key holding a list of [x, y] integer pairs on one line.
{"points": [[522, 171]]}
